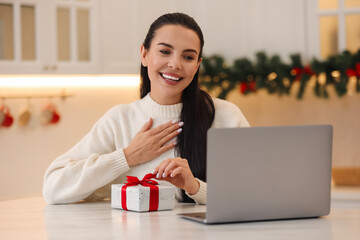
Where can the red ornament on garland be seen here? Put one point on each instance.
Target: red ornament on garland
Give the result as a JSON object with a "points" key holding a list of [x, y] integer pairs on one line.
{"points": [[247, 86], [307, 70], [354, 72], [298, 72], [252, 86], [243, 87]]}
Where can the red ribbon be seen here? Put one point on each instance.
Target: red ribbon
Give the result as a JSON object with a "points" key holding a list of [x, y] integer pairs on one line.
{"points": [[154, 190], [354, 72]]}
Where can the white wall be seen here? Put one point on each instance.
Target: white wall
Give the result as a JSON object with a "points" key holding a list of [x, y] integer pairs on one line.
{"points": [[25, 153]]}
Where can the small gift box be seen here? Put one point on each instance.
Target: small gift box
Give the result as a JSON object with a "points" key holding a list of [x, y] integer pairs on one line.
{"points": [[142, 195]]}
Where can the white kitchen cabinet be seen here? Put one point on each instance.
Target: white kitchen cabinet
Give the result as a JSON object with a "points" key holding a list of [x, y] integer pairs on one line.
{"points": [[231, 28], [49, 37], [124, 26], [104, 36]]}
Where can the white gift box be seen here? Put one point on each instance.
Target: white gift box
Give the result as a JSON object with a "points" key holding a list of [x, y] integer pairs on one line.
{"points": [[138, 197]]}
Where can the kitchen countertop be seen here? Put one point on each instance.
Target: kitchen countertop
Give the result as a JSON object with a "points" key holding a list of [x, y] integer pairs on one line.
{"points": [[31, 218]]}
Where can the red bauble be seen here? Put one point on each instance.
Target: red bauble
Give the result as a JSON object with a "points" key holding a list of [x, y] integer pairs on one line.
{"points": [[243, 87], [252, 86]]}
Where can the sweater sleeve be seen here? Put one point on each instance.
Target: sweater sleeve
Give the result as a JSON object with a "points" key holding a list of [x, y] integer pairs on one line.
{"points": [[92, 163], [200, 196], [228, 115]]}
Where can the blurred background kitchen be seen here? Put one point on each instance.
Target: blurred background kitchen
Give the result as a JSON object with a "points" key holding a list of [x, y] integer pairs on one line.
{"points": [[63, 63]]}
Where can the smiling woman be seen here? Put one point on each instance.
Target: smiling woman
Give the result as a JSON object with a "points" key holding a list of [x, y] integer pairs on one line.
{"points": [[172, 61], [163, 133]]}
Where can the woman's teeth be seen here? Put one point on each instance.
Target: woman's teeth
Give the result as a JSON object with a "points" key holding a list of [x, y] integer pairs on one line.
{"points": [[170, 77]]}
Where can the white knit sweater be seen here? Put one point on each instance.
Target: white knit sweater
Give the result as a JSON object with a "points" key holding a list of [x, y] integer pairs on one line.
{"points": [[89, 168]]}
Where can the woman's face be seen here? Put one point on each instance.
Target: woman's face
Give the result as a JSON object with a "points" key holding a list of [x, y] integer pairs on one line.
{"points": [[172, 61]]}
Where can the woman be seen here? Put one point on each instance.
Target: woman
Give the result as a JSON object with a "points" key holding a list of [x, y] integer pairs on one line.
{"points": [[171, 143]]}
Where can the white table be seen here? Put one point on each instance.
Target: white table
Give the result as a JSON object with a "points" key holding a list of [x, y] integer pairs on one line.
{"points": [[31, 218]]}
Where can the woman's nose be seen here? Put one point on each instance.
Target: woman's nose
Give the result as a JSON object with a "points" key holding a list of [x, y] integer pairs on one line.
{"points": [[174, 62]]}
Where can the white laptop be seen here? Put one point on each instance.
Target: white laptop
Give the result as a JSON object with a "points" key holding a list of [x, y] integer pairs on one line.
{"points": [[267, 173]]}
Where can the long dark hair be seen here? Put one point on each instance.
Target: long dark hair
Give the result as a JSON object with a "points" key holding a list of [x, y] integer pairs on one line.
{"points": [[198, 108]]}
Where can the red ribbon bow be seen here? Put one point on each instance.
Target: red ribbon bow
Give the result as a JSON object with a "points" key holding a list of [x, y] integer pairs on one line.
{"points": [[147, 182], [354, 72]]}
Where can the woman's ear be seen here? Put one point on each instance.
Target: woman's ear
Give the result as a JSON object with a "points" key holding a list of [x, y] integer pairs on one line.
{"points": [[143, 53], [198, 64]]}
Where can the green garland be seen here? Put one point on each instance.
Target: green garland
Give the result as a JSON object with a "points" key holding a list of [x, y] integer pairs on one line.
{"points": [[272, 74]]}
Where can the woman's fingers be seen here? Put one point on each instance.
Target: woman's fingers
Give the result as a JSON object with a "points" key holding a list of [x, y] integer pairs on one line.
{"points": [[166, 170], [175, 128], [166, 147], [166, 129], [168, 137], [166, 167], [168, 133], [163, 127], [176, 171], [147, 125], [150, 143], [159, 170]]}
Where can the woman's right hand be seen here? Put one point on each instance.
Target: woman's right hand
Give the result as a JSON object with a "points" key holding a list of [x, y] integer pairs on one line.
{"points": [[150, 143]]}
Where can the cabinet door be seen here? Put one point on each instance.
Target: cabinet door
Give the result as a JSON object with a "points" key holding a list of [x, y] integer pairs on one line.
{"points": [[120, 40], [73, 36], [19, 37], [49, 37], [124, 26]]}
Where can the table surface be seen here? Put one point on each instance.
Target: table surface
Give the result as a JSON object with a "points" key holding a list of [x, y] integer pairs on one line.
{"points": [[31, 218]]}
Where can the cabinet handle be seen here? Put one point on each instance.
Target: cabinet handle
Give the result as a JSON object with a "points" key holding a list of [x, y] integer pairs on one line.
{"points": [[46, 67], [54, 68]]}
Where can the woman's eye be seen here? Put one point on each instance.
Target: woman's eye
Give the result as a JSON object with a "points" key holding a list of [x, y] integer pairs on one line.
{"points": [[164, 52], [189, 58]]}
